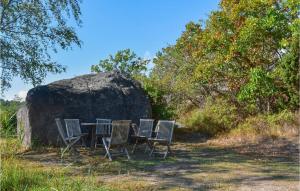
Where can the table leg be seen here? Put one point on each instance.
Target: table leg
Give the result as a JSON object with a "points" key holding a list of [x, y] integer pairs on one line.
{"points": [[93, 138], [149, 144]]}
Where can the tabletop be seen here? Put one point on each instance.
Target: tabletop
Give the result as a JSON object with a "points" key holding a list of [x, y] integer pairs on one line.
{"points": [[88, 124], [94, 124]]}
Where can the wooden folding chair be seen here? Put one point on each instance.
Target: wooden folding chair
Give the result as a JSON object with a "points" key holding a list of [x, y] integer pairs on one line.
{"points": [[103, 129], [69, 141], [164, 133], [144, 132], [118, 138]]}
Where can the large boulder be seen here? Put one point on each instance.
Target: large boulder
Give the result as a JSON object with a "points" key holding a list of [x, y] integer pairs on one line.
{"points": [[87, 97]]}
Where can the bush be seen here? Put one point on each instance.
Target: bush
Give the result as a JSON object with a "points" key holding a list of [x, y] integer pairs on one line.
{"points": [[161, 109], [214, 118], [8, 123], [274, 125], [8, 117]]}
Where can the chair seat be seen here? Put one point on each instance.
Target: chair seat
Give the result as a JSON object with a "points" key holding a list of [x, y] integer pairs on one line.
{"points": [[138, 136], [107, 139], [102, 135], [71, 138], [157, 140]]}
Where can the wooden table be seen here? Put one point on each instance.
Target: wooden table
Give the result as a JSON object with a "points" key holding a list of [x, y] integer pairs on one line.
{"points": [[92, 126], [93, 130]]}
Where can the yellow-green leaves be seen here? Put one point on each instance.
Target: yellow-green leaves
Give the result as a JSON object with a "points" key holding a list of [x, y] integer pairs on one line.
{"points": [[246, 52]]}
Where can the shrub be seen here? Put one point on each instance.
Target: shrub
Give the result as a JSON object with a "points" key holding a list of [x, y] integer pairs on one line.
{"points": [[161, 109], [8, 123], [274, 125], [8, 117], [215, 117]]}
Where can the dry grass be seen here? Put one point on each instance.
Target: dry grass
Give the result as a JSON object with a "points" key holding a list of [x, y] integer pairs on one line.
{"points": [[196, 165]]}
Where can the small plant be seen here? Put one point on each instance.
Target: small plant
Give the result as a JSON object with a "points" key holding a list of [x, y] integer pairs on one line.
{"points": [[214, 118], [8, 123], [273, 126], [8, 117]]}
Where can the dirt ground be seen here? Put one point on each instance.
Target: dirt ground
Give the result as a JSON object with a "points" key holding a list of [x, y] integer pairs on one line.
{"points": [[196, 164]]}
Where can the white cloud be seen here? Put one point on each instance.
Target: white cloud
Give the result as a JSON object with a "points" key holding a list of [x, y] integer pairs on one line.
{"points": [[147, 55], [22, 94]]}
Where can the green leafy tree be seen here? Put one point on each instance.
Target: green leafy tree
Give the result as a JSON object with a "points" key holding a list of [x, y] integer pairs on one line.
{"points": [[125, 61], [288, 67], [161, 108], [260, 90], [28, 31], [222, 58], [175, 66]]}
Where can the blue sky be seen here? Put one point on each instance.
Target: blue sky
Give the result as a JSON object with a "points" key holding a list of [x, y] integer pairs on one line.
{"points": [[145, 26]]}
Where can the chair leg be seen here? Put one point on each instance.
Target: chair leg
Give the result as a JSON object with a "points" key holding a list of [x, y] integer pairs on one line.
{"points": [[63, 151], [58, 140], [166, 153], [146, 148], [69, 146], [152, 150], [125, 149], [148, 145], [82, 141], [96, 142], [107, 149], [134, 146], [170, 151]]}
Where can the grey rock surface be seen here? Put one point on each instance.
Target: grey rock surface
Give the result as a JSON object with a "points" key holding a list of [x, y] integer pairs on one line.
{"points": [[86, 97]]}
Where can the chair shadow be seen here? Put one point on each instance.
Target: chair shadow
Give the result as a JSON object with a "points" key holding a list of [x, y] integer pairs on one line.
{"points": [[185, 162]]}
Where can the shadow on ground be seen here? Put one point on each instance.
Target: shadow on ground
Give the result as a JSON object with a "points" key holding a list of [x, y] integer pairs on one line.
{"points": [[192, 166]]}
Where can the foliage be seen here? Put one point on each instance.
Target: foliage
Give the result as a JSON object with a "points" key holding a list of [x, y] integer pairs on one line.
{"points": [[161, 109], [175, 65], [8, 118], [125, 61], [28, 29], [217, 116], [275, 125], [247, 53], [10, 146], [259, 90]]}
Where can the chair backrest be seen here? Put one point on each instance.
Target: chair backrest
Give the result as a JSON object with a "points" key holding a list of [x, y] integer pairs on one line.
{"points": [[120, 132], [73, 127], [145, 128], [164, 130], [103, 126], [61, 131]]}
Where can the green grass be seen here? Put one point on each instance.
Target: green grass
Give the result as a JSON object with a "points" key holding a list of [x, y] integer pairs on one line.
{"points": [[197, 166], [17, 175]]}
